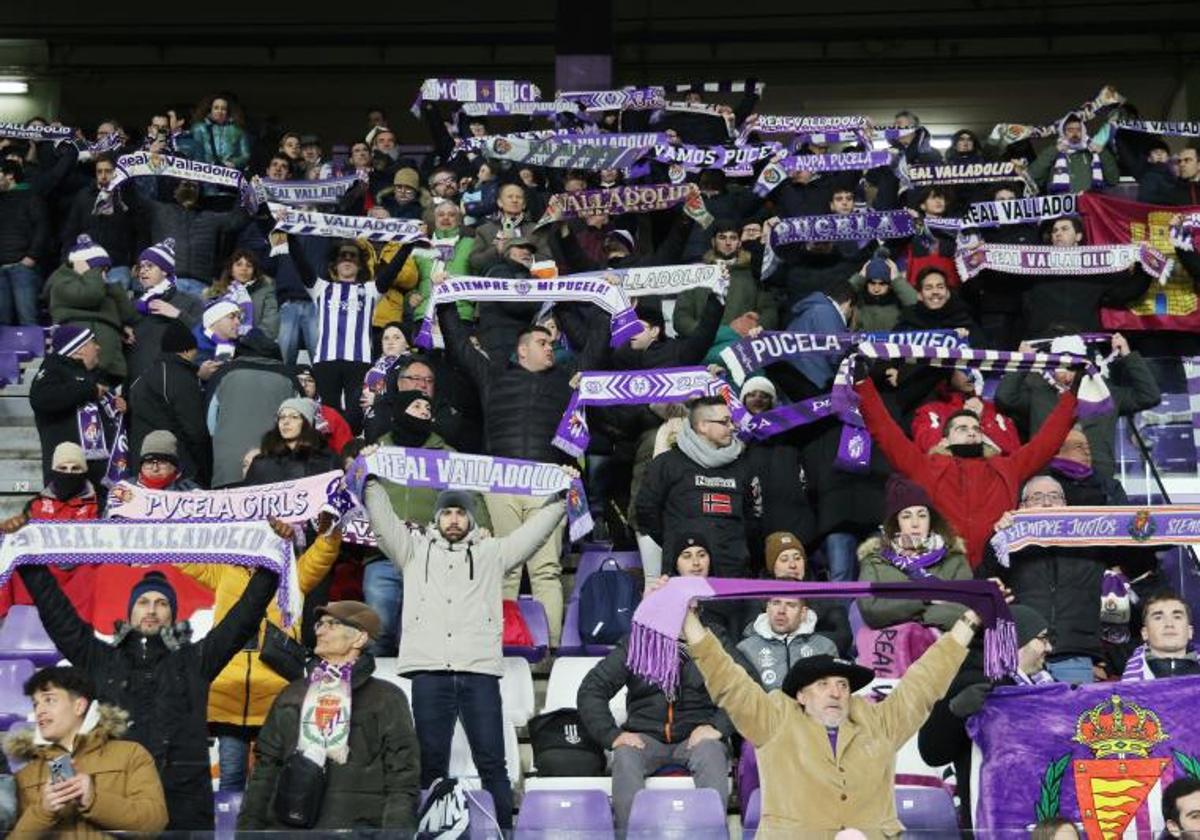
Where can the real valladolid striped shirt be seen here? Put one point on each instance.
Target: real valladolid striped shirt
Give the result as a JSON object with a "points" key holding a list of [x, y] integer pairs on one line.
{"points": [[344, 310]]}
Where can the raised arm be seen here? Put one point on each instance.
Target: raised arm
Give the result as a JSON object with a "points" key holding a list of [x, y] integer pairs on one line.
{"points": [[71, 635], [459, 347], [524, 542], [239, 625], [755, 714], [1041, 447], [902, 452], [304, 268], [390, 530], [923, 684]]}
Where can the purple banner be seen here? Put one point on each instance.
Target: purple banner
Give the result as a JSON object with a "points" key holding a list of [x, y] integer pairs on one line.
{"points": [[1091, 526], [859, 226], [627, 198], [731, 160], [1097, 754]]}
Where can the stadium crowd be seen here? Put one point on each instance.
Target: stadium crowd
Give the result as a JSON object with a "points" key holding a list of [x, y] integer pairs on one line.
{"points": [[184, 270]]}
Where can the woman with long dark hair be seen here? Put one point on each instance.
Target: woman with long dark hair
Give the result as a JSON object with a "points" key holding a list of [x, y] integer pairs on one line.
{"points": [[292, 448], [243, 282]]}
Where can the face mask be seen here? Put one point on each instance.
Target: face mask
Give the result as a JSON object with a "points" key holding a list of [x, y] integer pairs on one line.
{"points": [[156, 482], [966, 450], [67, 485]]}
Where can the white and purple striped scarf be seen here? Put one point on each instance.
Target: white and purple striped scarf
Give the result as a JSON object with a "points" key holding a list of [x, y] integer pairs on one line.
{"points": [[1186, 128], [1082, 260], [1004, 134], [622, 99], [498, 91], [338, 226], [778, 171]]}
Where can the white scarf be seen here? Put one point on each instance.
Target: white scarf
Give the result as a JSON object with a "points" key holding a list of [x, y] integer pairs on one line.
{"points": [[325, 714]]}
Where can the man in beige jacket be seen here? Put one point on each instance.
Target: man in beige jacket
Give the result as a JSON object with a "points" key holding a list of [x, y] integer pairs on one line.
{"points": [[827, 758]]}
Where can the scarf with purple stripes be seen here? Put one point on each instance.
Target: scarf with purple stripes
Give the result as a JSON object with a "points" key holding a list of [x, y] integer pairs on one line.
{"points": [[852, 227], [498, 91], [1004, 134], [614, 201], [1076, 261], [778, 171], [623, 99], [658, 620]]}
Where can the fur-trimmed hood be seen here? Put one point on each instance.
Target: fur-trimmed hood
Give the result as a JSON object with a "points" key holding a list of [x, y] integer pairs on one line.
{"points": [[103, 722]]}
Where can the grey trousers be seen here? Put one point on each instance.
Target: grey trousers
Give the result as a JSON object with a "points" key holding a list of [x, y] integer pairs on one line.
{"points": [[708, 763]]}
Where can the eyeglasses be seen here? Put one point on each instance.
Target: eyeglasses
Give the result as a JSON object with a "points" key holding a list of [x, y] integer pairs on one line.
{"points": [[724, 421], [156, 461], [327, 622], [424, 380], [1052, 498], [348, 255]]}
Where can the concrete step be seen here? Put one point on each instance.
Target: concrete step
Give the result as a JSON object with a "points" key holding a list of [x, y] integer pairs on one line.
{"points": [[19, 442], [20, 475], [15, 410], [14, 504]]}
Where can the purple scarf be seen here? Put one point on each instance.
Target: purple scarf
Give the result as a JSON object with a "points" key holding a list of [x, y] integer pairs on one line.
{"points": [[852, 227], [914, 565], [778, 171], [1081, 527], [654, 639]]}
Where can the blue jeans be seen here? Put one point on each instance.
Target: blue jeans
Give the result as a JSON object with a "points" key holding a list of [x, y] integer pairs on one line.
{"points": [[439, 698], [383, 590], [841, 556], [193, 287], [120, 275], [19, 289], [233, 753], [1071, 669], [297, 319]]}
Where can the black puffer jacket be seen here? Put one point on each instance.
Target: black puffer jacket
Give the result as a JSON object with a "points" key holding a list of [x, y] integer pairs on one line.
{"points": [[197, 235], [723, 503], [150, 329], [24, 230], [114, 231], [61, 386], [521, 409], [501, 322], [1063, 585], [268, 469], [168, 396], [164, 689], [649, 711], [379, 784]]}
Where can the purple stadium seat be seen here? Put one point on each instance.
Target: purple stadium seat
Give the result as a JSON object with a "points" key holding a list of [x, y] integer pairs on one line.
{"points": [[227, 804], [482, 811], [558, 813], [26, 342], [693, 814], [571, 644], [14, 705], [927, 811], [539, 627], [753, 813], [10, 369], [22, 636]]}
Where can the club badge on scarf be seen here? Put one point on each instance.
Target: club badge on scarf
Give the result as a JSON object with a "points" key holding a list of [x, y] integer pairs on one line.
{"points": [[497, 91], [325, 714], [338, 226], [1127, 525], [150, 164], [1076, 261], [443, 470]]}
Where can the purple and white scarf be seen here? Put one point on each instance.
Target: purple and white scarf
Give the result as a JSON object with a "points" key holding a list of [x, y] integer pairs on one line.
{"points": [[118, 459], [720, 86], [1125, 525], [325, 714], [1004, 134], [90, 426], [1183, 235], [665, 280], [858, 226], [736, 161], [638, 387], [568, 151], [442, 469], [246, 544], [155, 292], [1186, 128], [923, 174], [750, 354], [612, 299], [36, 133], [519, 109], [623, 99], [614, 201], [822, 130], [149, 164], [500, 91], [778, 171], [915, 566], [1042, 260], [1015, 211], [658, 620], [319, 191], [338, 226], [1060, 173], [375, 379]]}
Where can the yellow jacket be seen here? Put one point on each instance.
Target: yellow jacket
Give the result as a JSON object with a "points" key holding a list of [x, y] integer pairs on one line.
{"points": [[243, 692], [390, 307], [127, 794], [805, 787]]}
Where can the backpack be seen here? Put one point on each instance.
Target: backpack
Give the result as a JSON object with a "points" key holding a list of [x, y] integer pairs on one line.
{"points": [[562, 747], [607, 600]]}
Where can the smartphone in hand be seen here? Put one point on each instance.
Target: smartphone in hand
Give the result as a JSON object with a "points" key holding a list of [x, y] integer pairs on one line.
{"points": [[61, 769]]}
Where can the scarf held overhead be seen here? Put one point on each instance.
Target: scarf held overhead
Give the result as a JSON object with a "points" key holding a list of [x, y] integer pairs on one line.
{"points": [[1126, 525], [475, 90], [150, 164], [614, 201], [658, 620], [1068, 261], [443, 470], [612, 299], [778, 171], [563, 152], [665, 280], [320, 191], [245, 544], [337, 226], [836, 227]]}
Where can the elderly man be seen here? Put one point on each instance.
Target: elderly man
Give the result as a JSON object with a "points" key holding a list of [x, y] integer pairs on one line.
{"points": [[1063, 584], [357, 727], [827, 757], [111, 785], [451, 624], [1167, 639]]}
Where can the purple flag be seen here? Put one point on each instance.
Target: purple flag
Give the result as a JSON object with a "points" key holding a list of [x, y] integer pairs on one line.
{"points": [[1095, 754]]}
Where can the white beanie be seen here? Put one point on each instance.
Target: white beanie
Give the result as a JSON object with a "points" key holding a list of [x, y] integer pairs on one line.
{"points": [[218, 311], [758, 383], [1069, 344]]}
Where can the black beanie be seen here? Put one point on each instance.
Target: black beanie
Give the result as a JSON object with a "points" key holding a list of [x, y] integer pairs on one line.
{"points": [[153, 582], [406, 429], [177, 338]]}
